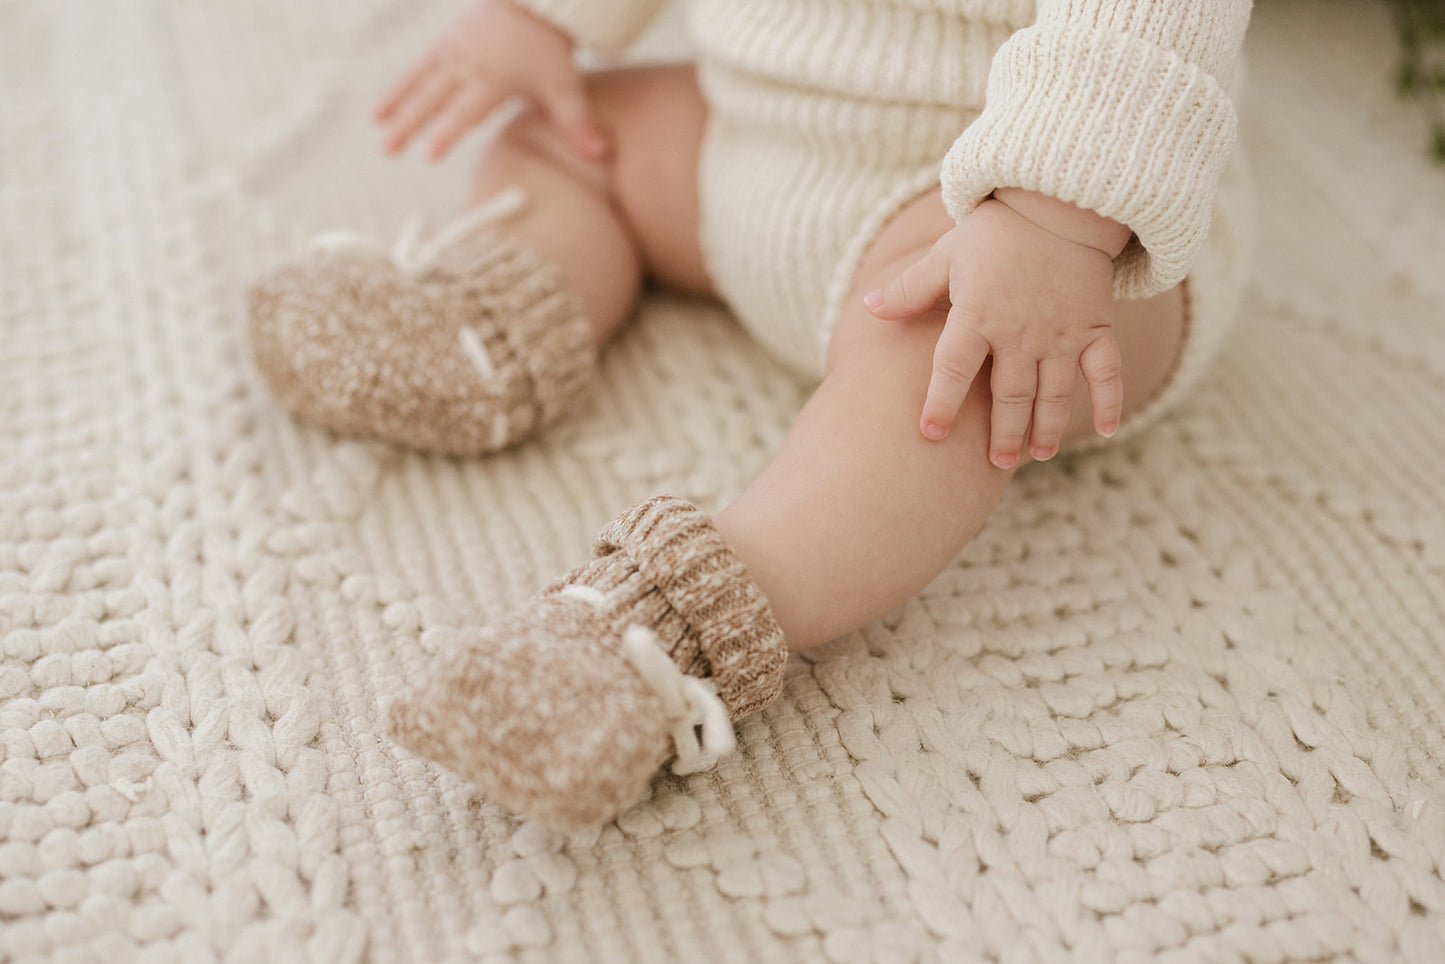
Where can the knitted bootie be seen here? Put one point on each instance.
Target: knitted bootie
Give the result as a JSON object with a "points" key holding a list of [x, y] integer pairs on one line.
{"points": [[461, 344], [563, 712]]}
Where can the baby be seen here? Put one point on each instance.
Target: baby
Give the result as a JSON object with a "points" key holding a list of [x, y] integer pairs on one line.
{"points": [[974, 221]]}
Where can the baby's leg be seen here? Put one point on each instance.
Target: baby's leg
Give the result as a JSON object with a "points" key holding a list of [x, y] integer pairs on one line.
{"points": [[858, 512], [480, 334], [610, 225], [563, 710]]}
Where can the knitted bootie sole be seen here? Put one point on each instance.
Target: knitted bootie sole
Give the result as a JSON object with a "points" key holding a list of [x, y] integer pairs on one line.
{"points": [[462, 345], [563, 712]]}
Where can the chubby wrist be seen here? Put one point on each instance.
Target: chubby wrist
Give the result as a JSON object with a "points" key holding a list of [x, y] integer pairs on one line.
{"points": [[1068, 221]]}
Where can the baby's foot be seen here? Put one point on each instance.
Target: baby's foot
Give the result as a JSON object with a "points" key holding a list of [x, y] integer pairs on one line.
{"points": [[563, 712], [461, 344]]}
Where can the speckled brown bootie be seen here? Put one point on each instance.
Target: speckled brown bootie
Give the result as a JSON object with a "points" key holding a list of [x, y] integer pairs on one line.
{"points": [[462, 344], [563, 712]]}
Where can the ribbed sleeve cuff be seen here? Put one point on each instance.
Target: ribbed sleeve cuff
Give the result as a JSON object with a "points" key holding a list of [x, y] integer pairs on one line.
{"points": [[601, 24], [1110, 123]]}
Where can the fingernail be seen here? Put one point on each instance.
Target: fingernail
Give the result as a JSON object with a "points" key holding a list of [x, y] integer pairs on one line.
{"points": [[1110, 432], [874, 299], [1041, 455], [1005, 461], [934, 432]]}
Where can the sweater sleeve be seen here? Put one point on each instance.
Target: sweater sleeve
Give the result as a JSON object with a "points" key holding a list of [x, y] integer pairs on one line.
{"points": [[601, 24], [1118, 106]]}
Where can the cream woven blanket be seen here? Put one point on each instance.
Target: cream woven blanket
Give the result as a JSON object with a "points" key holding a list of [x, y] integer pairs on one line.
{"points": [[1184, 698]]}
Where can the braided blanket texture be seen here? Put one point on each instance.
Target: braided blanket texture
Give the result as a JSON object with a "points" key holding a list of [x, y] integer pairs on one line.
{"points": [[1183, 699]]}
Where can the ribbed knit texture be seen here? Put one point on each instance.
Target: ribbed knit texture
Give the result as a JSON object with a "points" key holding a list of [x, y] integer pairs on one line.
{"points": [[1183, 700], [472, 355], [543, 711], [1119, 107], [729, 635], [827, 116]]}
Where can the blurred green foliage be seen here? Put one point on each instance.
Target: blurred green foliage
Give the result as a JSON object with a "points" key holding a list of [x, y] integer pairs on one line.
{"points": [[1422, 62]]}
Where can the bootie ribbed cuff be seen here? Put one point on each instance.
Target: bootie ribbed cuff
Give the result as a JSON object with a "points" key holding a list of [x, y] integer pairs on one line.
{"points": [[470, 354], [731, 629], [563, 711]]}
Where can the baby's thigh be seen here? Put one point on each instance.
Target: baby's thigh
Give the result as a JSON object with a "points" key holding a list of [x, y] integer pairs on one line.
{"points": [[656, 116], [1150, 332]]}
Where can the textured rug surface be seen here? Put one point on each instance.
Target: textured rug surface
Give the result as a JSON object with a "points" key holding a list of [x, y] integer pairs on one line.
{"points": [[1184, 699]]}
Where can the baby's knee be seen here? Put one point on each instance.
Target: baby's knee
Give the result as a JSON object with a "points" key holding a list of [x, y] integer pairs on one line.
{"points": [[893, 361], [860, 341], [526, 139]]}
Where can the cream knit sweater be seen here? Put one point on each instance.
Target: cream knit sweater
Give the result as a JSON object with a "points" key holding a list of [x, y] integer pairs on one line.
{"points": [[1120, 106]]}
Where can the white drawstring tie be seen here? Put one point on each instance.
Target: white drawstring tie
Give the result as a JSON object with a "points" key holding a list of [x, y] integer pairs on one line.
{"points": [[415, 254], [689, 704], [699, 726]]}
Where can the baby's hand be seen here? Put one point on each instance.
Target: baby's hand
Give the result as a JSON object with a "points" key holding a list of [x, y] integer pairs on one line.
{"points": [[1038, 299], [493, 51]]}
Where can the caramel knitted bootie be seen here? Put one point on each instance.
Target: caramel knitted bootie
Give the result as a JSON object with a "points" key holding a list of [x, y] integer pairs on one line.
{"points": [[460, 344], [563, 712]]}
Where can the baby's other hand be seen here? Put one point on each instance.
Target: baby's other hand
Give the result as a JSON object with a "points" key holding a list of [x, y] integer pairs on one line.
{"points": [[1039, 302], [495, 50]]}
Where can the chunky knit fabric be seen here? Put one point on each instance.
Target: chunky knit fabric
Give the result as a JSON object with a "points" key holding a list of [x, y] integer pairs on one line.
{"points": [[1120, 107], [554, 714], [1182, 700], [478, 347], [665, 562], [828, 116]]}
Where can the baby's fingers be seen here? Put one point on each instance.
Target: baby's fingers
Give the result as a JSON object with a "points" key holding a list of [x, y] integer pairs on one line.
{"points": [[1102, 367], [1014, 385], [399, 91], [921, 286], [1051, 408], [957, 357], [423, 103], [566, 103], [465, 110]]}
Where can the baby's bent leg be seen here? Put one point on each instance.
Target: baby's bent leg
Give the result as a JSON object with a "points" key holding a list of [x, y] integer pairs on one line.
{"points": [[858, 512], [481, 334], [678, 626], [611, 224]]}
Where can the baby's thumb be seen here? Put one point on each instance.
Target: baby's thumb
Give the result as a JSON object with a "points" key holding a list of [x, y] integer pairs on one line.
{"points": [[920, 287], [572, 114]]}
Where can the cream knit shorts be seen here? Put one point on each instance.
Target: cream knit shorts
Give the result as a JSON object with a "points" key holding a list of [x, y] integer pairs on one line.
{"points": [[795, 185]]}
